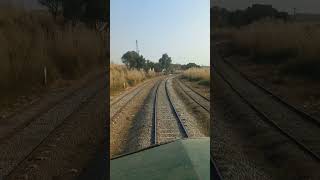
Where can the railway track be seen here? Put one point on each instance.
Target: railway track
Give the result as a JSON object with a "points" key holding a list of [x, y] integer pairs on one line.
{"points": [[277, 98], [167, 124], [292, 128], [204, 103], [122, 96], [121, 102], [198, 98], [20, 145]]}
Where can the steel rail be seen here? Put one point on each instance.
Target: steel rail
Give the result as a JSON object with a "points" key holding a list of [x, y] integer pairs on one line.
{"points": [[126, 94], [192, 97], [138, 90], [185, 132], [195, 91], [265, 118], [83, 103], [301, 113], [154, 125]]}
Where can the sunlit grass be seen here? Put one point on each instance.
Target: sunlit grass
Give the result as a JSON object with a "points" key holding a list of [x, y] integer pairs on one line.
{"points": [[294, 45], [202, 75]]}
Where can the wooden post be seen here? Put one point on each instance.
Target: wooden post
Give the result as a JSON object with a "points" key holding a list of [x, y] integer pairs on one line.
{"points": [[45, 75]]}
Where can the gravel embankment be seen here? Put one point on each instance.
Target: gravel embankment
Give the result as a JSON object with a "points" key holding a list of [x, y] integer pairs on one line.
{"points": [[300, 128], [59, 142], [200, 114], [244, 146], [189, 120], [140, 135], [118, 103], [123, 121], [203, 90], [21, 143]]}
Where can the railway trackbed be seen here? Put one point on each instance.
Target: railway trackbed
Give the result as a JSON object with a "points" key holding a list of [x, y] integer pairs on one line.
{"points": [[117, 105], [167, 124], [21, 144], [296, 129], [198, 98], [302, 130]]}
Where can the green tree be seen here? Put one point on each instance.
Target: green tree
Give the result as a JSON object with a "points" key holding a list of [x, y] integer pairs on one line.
{"points": [[165, 62], [190, 65], [133, 60], [149, 65], [157, 67]]}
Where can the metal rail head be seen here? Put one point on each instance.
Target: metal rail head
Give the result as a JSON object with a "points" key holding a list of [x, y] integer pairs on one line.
{"points": [[155, 140], [193, 98], [265, 118], [298, 111], [194, 91], [186, 135]]}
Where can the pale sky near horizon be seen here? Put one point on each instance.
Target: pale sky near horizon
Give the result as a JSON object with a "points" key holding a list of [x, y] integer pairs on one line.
{"points": [[180, 28]]}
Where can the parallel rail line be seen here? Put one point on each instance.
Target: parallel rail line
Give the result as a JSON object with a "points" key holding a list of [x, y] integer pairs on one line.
{"points": [[184, 130], [42, 111], [299, 112], [126, 94], [136, 92], [265, 118], [83, 103], [206, 99]]}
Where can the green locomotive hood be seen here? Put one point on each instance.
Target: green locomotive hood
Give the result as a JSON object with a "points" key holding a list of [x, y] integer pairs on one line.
{"points": [[182, 159]]}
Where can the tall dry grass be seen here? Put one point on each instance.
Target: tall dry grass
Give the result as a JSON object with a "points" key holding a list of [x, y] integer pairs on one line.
{"points": [[122, 77], [202, 75], [294, 45], [30, 41]]}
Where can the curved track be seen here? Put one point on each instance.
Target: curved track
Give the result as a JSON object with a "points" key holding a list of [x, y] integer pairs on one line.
{"points": [[198, 98], [307, 146], [167, 124], [121, 102]]}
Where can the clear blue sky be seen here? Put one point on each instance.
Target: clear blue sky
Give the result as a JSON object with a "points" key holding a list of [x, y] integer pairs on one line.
{"points": [[180, 28]]}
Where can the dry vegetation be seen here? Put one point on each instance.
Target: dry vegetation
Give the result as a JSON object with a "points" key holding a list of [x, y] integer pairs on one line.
{"points": [[30, 41], [202, 75], [121, 77], [293, 45]]}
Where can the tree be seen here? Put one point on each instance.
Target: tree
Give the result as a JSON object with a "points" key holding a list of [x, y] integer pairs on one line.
{"points": [[133, 60], [149, 65], [54, 6], [165, 62], [190, 65], [157, 67], [73, 10]]}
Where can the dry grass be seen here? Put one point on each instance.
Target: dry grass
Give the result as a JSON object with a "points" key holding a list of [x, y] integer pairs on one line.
{"points": [[198, 74], [295, 45], [121, 77], [30, 41]]}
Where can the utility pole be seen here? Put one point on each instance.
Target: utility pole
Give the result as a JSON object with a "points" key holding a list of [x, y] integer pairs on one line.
{"points": [[137, 47]]}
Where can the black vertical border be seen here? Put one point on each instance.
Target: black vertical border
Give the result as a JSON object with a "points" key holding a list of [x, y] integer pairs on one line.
{"points": [[107, 123]]}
